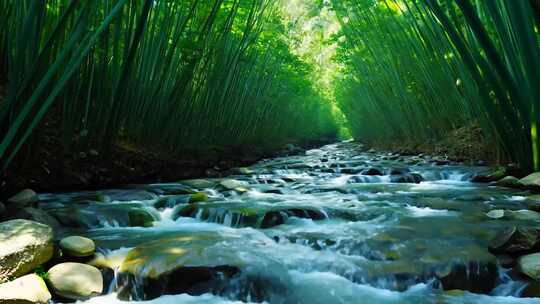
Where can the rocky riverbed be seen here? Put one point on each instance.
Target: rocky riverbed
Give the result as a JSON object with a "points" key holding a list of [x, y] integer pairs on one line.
{"points": [[336, 225]]}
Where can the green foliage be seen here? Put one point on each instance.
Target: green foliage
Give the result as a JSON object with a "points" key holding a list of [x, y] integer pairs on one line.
{"points": [[176, 74], [416, 69], [40, 271]]}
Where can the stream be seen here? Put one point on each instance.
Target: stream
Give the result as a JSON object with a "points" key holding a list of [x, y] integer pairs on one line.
{"points": [[338, 224]]}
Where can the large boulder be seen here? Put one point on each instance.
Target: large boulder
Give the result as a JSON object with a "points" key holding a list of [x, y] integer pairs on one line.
{"points": [[530, 265], [509, 182], [531, 181], [28, 289], [75, 281], [191, 263], [77, 246], [515, 240], [23, 199], [24, 245], [40, 216], [490, 176]]}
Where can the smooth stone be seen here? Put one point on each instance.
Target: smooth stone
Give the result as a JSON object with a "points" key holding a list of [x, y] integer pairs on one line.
{"points": [[77, 246], [140, 218], [531, 181], [530, 265], [495, 214], [509, 182], [23, 199], [24, 246], [524, 215], [27, 289], [491, 176], [231, 184], [199, 183], [198, 197], [514, 240], [75, 281]]}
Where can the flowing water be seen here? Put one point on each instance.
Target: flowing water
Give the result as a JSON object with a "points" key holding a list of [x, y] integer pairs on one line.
{"points": [[315, 228]]}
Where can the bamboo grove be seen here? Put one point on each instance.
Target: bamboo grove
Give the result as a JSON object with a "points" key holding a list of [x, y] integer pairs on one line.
{"points": [[414, 69], [176, 74]]}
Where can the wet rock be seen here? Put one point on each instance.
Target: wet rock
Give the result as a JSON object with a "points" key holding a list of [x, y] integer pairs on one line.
{"points": [[530, 265], [478, 277], [413, 178], [278, 217], [242, 171], [131, 195], [491, 176], [531, 182], [140, 218], [24, 245], [185, 264], [198, 198], [23, 199], [77, 246], [351, 170], [75, 281], [372, 172], [199, 183], [495, 214], [515, 240], [231, 184], [171, 189], [523, 215], [28, 289], [509, 182]]}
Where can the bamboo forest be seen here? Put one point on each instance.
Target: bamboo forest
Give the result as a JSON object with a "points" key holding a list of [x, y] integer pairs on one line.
{"points": [[270, 151]]}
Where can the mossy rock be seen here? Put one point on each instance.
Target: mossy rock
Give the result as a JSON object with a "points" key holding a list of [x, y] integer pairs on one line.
{"points": [[198, 197], [140, 218]]}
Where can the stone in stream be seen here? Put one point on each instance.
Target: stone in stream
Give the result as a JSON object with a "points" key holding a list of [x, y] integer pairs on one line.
{"points": [[23, 199], [509, 182], [495, 214], [372, 172], [530, 265], [28, 289], [40, 216], [531, 182], [490, 176], [232, 184], [475, 276], [200, 183], [184, 264], [75, 281], [413, 178], [515, 240], [24, 245], [172, 201], [140, 218], [77, 246]]}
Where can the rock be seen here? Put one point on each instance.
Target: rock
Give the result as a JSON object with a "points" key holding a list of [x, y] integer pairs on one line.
{"points": [[491, 176], [27, 289], [23, 199], [531, 181], [172, 201], [231, 184], [495, 214], [515, 240], [372, 172], [140, 218], [242, 171], [75, 281], [77, 246], [42, 217], [182, 264], [198, 197], [509, 182], [523, 215], [530, 265], [413, 178], [199, 183], [24, 245], [477, 277]]}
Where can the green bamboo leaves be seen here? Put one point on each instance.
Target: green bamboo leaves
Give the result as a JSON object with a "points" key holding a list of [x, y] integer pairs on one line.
{"points": [[424, 67], [176, 74]]}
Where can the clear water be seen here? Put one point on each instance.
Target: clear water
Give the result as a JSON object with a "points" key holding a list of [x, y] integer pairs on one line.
{"points": [[344, 237]]}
